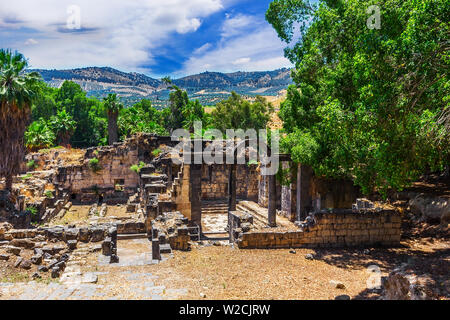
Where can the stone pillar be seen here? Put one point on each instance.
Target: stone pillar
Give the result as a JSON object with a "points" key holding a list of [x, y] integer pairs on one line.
{"points": [[195, 182], [232, 188], [304, 198], [169, 174], [156, 253], [272, 211]]}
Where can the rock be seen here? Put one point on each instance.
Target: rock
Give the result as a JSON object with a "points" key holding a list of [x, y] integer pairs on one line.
{"points": [[22, 243], [400, 285], [18, 262], [48, 256], [106, 247], [431, 209], [309, 256], [89, 278], [4, 243], [52, 263], [84, 235], [4, 257], [38, 251], [55, 272], [342, 297], [42, 269], [202, 295], [72, 244], [98, 234], [37, 259], [292, 251], [58, 249], [26, 264], [72, 234], [5, 227], [64, 257], [337, 284], [114, 259], [36, 275], [96, 248], [14, 250]]}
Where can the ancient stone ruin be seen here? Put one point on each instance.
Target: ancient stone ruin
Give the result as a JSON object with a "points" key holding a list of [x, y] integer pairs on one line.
{"points": [[174, 204]]}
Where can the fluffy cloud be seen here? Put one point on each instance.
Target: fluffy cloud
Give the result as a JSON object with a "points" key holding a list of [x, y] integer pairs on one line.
{"points": [[115, 33], [246, 44]]}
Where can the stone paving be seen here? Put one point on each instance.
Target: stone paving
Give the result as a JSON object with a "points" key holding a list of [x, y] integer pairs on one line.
{"points": [[82, 281], [215, 223]]}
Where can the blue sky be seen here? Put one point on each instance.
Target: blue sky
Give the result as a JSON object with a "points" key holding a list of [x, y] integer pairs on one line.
{"points": [[154, 37]]}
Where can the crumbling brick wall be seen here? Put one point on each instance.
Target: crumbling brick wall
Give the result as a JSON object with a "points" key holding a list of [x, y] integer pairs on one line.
{"points": [[333, 229]]}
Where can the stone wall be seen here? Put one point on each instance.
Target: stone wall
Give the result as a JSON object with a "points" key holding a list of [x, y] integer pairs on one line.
{"points": [[342, 228], [215, 182]]}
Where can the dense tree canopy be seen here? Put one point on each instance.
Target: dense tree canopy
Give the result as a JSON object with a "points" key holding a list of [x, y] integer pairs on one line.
{"points": [[366, 101]]}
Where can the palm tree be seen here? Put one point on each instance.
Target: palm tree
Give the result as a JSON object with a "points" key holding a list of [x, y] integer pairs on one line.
{"points": [[17, 92], [63, 126], [39, 136], [113, 106]]}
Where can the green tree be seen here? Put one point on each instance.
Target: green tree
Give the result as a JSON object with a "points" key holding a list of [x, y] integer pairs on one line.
{"points": [[366, 100], [17, 92], [63, 126], [113, 106], [239, 113], [39, 136]]}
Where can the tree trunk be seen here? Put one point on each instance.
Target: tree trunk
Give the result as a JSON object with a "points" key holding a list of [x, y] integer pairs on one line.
{"points": [[9, 183], [113, 135]]}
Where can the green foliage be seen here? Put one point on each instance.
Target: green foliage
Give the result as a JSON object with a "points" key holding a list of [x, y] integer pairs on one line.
{"points": [[39, 136], [94, 165], [238, 113], [32, 210], [63, 126], [31, 165], [26, 177], [156, 152], [137, 167], [49, 194], [366, 102]]}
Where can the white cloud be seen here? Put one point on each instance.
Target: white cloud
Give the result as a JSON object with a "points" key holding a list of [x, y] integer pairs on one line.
{"points": [[258, 49], [114, 33], [31, 42], [241, 61], [234, 25]]}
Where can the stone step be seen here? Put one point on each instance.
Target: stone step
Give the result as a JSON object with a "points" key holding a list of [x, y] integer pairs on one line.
{"points": [[259, 220], [148, 169], [155, 188], [165, 248], [132, 236]]}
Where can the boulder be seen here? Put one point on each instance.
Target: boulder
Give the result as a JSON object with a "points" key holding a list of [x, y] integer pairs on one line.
{"points": [[55, 272], [72, 234], [72, 244], [26, 264], [98, 234], [14, 250], [23, 243], [37, 259], [42, 269], [18, 262], [431, 209], [106, 247], [84, 235], [400, 285], [4, 257]]}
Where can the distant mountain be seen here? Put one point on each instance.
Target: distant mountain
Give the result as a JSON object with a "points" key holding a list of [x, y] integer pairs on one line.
{"points": [[208, 87]]}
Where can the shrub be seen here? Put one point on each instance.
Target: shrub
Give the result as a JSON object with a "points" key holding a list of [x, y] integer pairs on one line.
{"points": [[156, 152], [49, 194], [32, 210], [94, 165], [137, 167], [32, 165]]}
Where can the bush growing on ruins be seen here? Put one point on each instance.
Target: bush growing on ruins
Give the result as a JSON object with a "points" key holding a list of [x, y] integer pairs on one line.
{"points": [[137, 167], [49, 194], [156, 152], [32, 210], [31, 165], [26, 177], [94, 165]]}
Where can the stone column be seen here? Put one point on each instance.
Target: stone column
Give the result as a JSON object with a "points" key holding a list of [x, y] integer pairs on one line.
{"points": [[272, 211], [304, 199], [195, 182], [232, 188]]}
